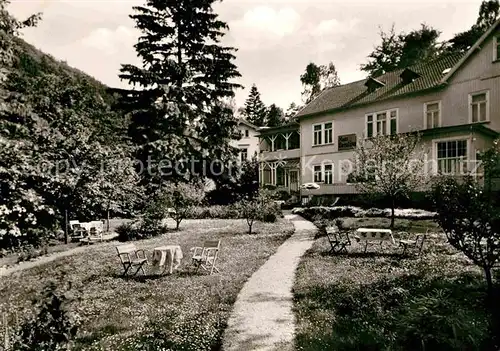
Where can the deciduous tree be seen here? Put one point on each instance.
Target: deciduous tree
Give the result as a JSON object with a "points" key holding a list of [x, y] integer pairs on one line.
{"points": [[389, 165], [402, 50]]}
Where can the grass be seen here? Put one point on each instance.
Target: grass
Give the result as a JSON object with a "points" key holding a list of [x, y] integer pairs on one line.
{"points": [[383, 301], [185, 311]]}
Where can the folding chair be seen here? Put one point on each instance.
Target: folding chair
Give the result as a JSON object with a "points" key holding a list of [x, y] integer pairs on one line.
{"points": [[129, 257], [206, 256], [417, 243], [338, 239]]}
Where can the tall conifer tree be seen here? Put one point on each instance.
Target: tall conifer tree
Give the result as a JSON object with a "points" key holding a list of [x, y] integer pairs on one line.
{"points": [[255, 110], [177, 106]]}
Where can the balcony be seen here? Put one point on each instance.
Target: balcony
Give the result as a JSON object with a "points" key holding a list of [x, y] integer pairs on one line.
{"points": [[280, 143]]}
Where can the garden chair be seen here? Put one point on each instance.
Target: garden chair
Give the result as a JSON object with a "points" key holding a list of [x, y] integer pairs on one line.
{"points": [[129, 257], [417, 243], [338, 239], [77, 230], [206, 256]]}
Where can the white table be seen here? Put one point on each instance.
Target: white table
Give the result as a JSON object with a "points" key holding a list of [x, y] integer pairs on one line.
{"points": [[374, 235], [172, 253]]}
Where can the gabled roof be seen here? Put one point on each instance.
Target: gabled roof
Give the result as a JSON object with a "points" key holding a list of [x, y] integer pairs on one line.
{"points": [[248, 124], [356, 94], [429, 75], [471, 51]]}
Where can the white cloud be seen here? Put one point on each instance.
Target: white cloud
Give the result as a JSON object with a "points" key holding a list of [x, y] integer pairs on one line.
{"points": [[263, 26], [334, 26], [279, 22], [110, 41]]}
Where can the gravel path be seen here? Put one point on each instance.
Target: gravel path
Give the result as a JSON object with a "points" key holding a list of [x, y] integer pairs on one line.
{"points": [[262, 318]]}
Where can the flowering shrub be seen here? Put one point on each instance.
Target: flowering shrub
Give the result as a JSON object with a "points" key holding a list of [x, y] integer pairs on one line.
{"points": [[24, 220], [352, 211]]}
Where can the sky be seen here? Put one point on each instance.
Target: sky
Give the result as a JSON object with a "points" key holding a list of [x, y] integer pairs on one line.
{"points": [[275, 39]]}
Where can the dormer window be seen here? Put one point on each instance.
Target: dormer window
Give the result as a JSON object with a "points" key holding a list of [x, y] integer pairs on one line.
{"points": [[408, 76], [373, 84], [246, 133]]}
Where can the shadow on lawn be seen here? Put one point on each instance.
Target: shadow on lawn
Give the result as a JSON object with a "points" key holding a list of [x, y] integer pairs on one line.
{"points": [[405, 313]]}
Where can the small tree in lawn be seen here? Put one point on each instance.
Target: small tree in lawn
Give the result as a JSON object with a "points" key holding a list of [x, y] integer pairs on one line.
{"points": [[389, 165], [470, 221], [254, 208], [181, 199]]}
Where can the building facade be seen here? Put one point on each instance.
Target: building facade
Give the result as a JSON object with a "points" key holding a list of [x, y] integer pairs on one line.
{"points": [[453, 102], [248, 144]]}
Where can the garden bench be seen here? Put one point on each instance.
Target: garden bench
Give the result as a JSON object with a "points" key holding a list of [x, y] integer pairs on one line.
{"points": [[129, 257], [417, 243], [374, 235], [206, 256], [338, 239]]}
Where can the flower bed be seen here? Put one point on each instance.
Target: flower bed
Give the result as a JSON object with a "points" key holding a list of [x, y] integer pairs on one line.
{"points": [[352, 211]]}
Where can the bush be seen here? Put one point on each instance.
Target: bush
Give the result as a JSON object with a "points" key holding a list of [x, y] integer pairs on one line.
{"points": [[330, 213], [53, 328], [215, 212]]}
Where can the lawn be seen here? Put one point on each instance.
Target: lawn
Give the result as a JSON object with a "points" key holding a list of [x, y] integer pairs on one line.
{"points": [[383, 301], [185, 311]]}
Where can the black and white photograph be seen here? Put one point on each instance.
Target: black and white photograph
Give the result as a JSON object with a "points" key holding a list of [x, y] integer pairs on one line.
{"points": [[249, 175]]}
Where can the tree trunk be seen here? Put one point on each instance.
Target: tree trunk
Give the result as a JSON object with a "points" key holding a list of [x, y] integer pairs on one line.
{"points": [[489, 281], [177, 223], [392, 214], [107, 217], [66, 226], [250, 228]]}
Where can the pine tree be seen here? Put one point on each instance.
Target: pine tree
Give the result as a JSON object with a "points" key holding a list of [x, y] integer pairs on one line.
{"points": [[180, 111], [255, 110], [275, 116]]}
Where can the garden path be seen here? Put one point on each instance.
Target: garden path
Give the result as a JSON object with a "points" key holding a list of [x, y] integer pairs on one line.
{"points": [[49, 258], [262, 317]]}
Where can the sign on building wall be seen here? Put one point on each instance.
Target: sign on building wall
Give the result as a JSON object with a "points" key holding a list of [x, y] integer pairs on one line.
{"points": [[347, 142]]}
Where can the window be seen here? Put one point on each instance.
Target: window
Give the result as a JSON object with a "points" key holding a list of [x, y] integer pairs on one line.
{"points": [[496, 48], [243, 155], [317, 174], [323, 173], [479, 107], [452, 157], [328, 133], [432, 114], [246, 133], [317, 134], [382, 123], [323, 133], [369, 126], [328, 174]]}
